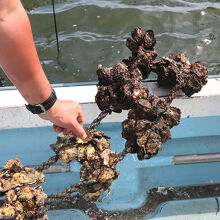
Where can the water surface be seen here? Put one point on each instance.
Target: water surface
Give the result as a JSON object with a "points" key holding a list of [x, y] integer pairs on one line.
{"points": [[94, 32]]}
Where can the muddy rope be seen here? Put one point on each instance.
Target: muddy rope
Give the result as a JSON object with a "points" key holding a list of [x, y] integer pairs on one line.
{"points": [[47, 164], [39, 213], [98, 120]]}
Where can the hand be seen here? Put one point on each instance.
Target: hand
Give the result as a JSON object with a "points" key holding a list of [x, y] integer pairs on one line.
{"points": [[67, 116]]}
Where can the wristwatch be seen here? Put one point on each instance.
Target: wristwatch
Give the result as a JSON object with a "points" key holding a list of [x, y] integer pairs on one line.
{"points": [[43, 107]]}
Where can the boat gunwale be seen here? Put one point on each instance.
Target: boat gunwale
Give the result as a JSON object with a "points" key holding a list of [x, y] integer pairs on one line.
{"points": [[13, 113]]}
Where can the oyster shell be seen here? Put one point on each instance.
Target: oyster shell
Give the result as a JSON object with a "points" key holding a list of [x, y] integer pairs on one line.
{"points": [[23, 200], [148, 126], [178, 71], [122, 89], [14, 174], [98, 162]]}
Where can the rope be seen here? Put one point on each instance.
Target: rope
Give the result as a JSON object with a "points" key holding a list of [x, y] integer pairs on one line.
{"points": [[47, 164], [39, 213], [98, 120]]}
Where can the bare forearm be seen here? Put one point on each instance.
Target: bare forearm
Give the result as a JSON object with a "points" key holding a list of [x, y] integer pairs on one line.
{"points": [[19, 60], [18, 56]]}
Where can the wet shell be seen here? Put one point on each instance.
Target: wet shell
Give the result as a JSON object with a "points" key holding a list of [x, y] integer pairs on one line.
{"points": [[23, 200], [148, 126], [94, 153], [15, 174]]}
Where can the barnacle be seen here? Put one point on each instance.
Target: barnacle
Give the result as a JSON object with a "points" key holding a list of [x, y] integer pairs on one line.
{"points": [[98, 162], [15, 175], [148, 126]]}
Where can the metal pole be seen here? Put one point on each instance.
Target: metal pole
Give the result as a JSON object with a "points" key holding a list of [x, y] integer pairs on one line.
{"points": [[154, 162], [196, 158], [56, 168], [55, 26]]}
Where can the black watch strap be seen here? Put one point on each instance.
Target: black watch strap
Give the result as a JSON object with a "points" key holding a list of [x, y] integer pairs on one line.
{"points": [[43, 107]]}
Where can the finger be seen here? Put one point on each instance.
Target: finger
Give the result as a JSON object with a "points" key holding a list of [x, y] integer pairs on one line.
{"points": [[54, 127], [58, 129], [81, 124], [67, 131], [81, 118], [78, 130]]}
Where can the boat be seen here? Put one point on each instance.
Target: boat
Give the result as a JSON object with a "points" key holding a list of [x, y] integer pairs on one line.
{"points": [[181, 182]]}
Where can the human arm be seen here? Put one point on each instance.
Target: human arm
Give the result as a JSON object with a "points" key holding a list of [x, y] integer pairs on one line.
{"points": [[19, 60]]}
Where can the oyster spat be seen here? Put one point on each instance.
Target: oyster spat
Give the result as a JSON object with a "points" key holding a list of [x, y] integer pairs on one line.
{"points": [[23, 200], [14, 174], [178, 71], [98, 162], [148, 126]]}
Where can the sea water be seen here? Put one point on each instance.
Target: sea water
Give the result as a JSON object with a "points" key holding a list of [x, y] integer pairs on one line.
{"points": [[94, 32]]}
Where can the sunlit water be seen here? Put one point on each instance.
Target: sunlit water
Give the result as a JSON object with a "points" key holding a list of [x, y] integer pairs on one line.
{"points": [[94, 32]]}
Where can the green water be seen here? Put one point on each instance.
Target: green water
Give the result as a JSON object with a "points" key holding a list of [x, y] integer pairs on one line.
{"points": [[94, 32]]}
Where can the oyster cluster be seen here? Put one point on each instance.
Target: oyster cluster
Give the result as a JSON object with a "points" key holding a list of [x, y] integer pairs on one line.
{"points": [[179, 72], [150, 119], [143, 51], [148, 126], [120, 87], [15, 175], [23, 200], [98, 162], [16, 181]]}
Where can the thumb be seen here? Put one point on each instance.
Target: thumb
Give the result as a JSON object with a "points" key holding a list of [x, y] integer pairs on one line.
{"points": [[78, 130]]}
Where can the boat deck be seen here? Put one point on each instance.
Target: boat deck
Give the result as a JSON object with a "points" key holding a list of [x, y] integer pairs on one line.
{"points": [[183, 179]]}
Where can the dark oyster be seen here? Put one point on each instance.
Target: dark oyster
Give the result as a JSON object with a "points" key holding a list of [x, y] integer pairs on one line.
{"points": [[179, 72], [148, 126], [143, 52], [119, 88]]}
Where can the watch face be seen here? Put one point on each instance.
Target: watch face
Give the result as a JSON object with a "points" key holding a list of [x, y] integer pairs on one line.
{"points": [[40, 108], [35, 109]]}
